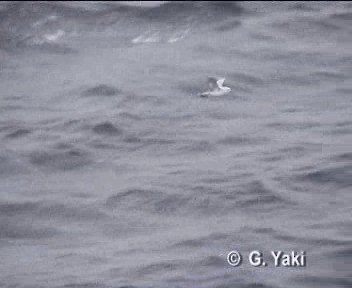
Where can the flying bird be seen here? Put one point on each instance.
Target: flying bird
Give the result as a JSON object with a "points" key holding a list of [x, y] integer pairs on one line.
{"points": [[216, 87]]}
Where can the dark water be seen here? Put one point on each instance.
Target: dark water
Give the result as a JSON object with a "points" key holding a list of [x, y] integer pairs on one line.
{"points": [[114, 173]]}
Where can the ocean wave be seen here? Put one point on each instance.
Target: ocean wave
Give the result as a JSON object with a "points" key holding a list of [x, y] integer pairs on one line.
{"points": [[107, 128], [340, 176], [60, 160], [46, 210], [101, 90], [51, 25], [18, 133]]}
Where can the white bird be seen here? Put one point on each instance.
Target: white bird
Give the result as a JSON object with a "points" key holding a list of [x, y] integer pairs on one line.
{"points": [[216, 88]]}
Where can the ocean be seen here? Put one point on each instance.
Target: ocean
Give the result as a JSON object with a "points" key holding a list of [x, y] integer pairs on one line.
{"points": [[115, 173]]}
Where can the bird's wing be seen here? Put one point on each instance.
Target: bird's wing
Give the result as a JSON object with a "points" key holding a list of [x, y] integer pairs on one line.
{"points": [[220, 82]]}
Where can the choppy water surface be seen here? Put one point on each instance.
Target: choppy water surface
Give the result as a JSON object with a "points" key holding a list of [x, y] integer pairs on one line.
{"points": [[114, 173]]}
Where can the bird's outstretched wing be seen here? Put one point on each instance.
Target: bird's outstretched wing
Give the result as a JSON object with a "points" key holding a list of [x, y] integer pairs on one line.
{"points": [[220, 82]]}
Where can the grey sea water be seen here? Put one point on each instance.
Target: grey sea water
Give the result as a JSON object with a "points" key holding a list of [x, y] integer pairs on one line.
{"points": [[114, 173]]}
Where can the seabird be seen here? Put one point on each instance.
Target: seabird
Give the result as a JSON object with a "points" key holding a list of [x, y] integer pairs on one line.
{"points": [[216, 87]]}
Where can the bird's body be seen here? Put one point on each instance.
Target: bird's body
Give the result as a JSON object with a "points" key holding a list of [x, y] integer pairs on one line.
{"points": [[216, 88]]}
